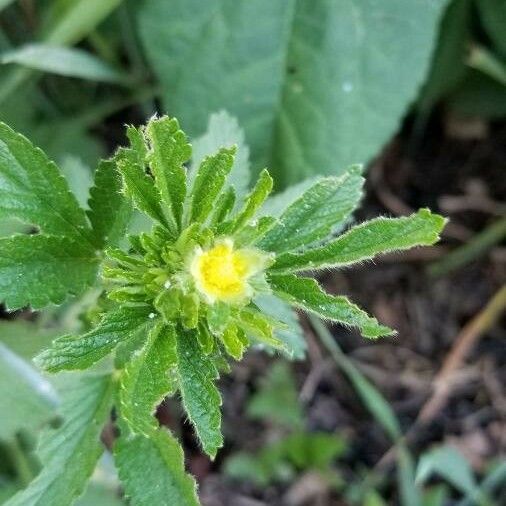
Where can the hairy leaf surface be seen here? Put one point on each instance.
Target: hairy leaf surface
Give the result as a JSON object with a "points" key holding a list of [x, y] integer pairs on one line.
{"points": [[70, 352], [201, 399], [152, 470], [147, 379], [320, 210], [38, 270], [110, 211], [169, 151], [365, 241], [33, 190], [307, 294]]}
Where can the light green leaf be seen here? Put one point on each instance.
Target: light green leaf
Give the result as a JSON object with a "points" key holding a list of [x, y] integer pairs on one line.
{"points": [[152, 470], [38, 270], [260, 326], [147, 379], [276, 400], [234, 341], [201, 399], [63, 61], [70, 352], [223, 207], [33, 190], [110, 211], [253, 202], [27, 400], [223, 131], [302, 79], [365, 241], [26, 338], [209, 181], [169, 151], [450, 464], [292, 336], [307, 294], [322, 209], [140, 186], [70, 453]]}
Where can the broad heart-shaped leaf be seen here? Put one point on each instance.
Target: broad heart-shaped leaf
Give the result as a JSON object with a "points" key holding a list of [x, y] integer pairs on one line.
{"points": [[70, 453], [366, 240], [110, 211], [152, 469], [169, 151], [320, 210], [201, 399], [147, 379], [37, 270], [209, 181], [70, 352], [33, 190], [27, 400], [317, 86], [139, 186], [307, 294], [223, 131]]}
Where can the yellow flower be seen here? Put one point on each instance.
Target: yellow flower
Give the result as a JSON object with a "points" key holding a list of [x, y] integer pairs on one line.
{"points": [[222, 272]]}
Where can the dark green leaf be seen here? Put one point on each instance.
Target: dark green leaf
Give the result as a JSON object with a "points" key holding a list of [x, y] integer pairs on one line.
{"points": [[70, 352], [365, 241], [38, 270], [307, 294]]}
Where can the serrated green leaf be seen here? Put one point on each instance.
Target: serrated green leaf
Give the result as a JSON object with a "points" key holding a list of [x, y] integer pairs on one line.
{"points": [[70, 453], [169, 151], [209, 181], [223, 207], [232, 341], [320, 210], [70, 352], [223, 131], [27, 400], [110, 211], [260, 326], [307, 294], [292, 336], [140, 186], [201, 399], [147, 379], [38, 270], [33, 190], [253, 202], [365, 241], [152, 470], [251, 234]]}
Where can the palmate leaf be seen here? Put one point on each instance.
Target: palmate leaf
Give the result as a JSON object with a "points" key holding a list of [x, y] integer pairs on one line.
{"points": [[110, 211], [169, 151], [365, 241], [70, 453], [209, 181], [223, 130], [307, 294], [147, 379], [152, 469], [33, 190], [70, 352], [201, 399], [320, 210], [38, 270]]}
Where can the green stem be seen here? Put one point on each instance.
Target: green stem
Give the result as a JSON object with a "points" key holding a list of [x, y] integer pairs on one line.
{"points": [[473, 249]]}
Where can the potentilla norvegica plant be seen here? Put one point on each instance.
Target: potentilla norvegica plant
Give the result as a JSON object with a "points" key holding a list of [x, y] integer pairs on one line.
{"points": [[213, 276]]}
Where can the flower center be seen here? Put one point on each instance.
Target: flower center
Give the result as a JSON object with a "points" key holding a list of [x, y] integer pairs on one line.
{"points": [[222, 272]]}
